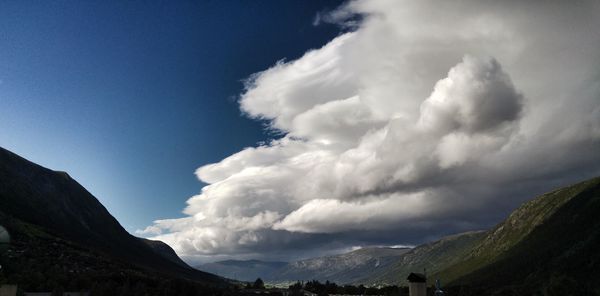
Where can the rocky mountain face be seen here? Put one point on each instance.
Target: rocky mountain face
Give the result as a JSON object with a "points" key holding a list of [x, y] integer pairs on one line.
{"points": [[49, 208], [369, 266], [345, 268], [431, 257]]}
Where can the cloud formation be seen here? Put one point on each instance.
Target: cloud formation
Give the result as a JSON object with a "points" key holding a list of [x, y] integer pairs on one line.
{"points": [[429, 118]]}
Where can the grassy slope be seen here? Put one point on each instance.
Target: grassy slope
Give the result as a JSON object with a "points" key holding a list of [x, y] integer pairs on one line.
{"points": [[433, 256], [550, 238]]}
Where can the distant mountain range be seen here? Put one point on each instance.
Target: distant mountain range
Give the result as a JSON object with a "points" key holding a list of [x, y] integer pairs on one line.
{"points": [[343, 268], [243, 270], [372, 266], [550, 242], [58, 227], [429, 258]]}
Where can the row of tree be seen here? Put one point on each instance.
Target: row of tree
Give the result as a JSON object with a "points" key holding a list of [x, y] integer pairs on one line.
{"points": [[329, 288]]}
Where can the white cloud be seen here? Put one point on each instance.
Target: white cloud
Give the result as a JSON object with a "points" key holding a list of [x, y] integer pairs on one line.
{"points": [[477, 96], [413, 124], [150, 230], [288, 89], [332, 215]]}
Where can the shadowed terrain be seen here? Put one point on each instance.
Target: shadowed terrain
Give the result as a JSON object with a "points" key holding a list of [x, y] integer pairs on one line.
{"points": [[57, 224]]}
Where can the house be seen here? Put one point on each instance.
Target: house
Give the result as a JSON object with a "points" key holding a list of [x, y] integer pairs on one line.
{"points": [[417, 284]]}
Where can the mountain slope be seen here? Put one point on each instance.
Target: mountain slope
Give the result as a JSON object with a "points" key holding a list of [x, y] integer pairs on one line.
{"points": [[433, 257], [52, 204], [243, 270], [165, 251], [345, 268], [552, 240]]}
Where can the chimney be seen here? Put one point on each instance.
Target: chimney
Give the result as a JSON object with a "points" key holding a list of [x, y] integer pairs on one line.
{"points": [[417, 284]]}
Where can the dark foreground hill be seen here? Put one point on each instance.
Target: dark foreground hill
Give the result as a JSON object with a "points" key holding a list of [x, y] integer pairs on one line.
{"points": [[62, 234]]}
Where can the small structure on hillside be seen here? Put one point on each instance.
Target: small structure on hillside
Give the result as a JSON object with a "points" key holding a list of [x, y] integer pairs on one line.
{"points": [[417, 284]]}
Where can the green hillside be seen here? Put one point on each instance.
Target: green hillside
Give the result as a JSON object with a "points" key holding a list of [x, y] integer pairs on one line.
{"points": [[433, 257], [549, 243]]}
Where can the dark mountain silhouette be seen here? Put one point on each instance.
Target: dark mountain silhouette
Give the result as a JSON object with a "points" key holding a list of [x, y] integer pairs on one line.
{"points": [[165, 251], [40, 205]]}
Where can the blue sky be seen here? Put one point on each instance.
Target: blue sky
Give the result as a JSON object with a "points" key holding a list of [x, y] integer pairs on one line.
{"points": [[131, 98]]}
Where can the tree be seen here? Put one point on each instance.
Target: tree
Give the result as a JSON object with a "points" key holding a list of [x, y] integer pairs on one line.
{"points": [[258, 284]]}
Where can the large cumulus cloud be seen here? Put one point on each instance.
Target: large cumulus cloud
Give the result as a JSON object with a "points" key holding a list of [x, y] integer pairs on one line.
{"points": [[430, 117]]}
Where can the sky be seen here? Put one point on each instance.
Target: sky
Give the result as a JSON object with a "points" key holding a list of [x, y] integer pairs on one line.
{"points": [[284, 130], [130, 98]]}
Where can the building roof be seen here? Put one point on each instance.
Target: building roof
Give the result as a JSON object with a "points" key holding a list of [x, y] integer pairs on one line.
{"points": [[416, 278]]}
